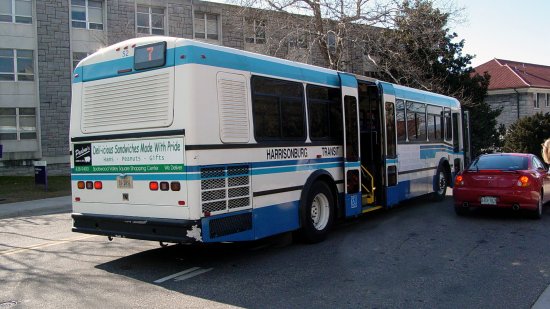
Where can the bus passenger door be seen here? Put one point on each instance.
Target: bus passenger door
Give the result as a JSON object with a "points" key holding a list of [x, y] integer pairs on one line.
{"points": [[390, 152], [352, 165]]}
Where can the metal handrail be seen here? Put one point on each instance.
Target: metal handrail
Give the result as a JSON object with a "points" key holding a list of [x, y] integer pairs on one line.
{"points": [[364, 170]]}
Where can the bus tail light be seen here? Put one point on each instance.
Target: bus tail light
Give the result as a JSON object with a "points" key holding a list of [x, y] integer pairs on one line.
{"points": [[164, 186], [89, 185], [98, 185], [175, 186], [81, 185], [181, 203], [153, 186]]}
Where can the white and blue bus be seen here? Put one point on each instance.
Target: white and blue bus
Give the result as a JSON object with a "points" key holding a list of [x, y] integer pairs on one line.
{"points": [[175, 140]]}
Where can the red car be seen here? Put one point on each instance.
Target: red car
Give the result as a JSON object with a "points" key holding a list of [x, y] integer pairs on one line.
{"points": [[505, 180]]}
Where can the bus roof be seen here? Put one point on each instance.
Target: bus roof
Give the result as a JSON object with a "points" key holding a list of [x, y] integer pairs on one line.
{"points": [[109, 62]]}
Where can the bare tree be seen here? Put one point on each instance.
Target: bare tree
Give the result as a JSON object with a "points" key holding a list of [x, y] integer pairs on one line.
{"points": [[329, 26]]}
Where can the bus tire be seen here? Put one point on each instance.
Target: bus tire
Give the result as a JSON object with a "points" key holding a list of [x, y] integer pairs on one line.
{"points": [[316, 213], [440, 185]]}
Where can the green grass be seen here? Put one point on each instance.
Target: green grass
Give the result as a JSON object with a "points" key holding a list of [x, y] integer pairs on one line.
{"points": [[22, 188]]}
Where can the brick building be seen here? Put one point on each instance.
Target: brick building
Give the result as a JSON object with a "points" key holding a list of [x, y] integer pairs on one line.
{"points": [[520, 89], [41, 41]]}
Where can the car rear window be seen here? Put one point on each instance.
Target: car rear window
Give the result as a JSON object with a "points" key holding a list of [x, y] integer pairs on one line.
{"points": [[502, 162]]}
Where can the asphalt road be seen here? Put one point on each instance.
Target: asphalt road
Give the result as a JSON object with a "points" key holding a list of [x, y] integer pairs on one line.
{"points": [[419, 255]]}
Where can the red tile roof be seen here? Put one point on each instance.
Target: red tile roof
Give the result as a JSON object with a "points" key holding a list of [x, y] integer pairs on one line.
{"points": [[506, 74]]}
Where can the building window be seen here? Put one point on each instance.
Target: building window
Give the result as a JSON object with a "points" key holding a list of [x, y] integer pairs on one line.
{"points": [[331, 41], [547, 100], [537, 97], [278, 107], [150, 20], [87, 14], [400, 119], [206, 26], [77, 57], [16, 65], [255, 31], [17, 123], [16, 11], [299, 39]]}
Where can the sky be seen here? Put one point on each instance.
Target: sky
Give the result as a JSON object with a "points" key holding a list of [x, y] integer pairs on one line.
{"points": [[516, 30]]}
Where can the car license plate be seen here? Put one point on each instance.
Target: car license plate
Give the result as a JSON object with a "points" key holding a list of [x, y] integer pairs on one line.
{"points": [[488, 200], [124, 182]]}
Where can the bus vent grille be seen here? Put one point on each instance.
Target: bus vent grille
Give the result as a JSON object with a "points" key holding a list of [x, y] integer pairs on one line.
{"points": [[225, 188], [230, 225], [133, 102], [233, 108]]}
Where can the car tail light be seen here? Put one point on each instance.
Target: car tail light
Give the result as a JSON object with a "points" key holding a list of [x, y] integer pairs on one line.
{"points": [[81, 184], [89, 185], [98, 185], [175, 186], [153, 186], [523, 181], [164, 186], [459, 180]]}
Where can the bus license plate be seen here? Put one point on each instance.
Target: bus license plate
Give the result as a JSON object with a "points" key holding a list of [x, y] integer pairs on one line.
{"points": [[124, 182], [488, 200]]}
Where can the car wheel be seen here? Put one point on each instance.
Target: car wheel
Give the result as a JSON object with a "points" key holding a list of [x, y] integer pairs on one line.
{"points": [[537, 214], [440, 186], [317, 214]]}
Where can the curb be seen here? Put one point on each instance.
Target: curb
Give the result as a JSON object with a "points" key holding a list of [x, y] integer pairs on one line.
{"points": [[543, 302], [36, 207]]}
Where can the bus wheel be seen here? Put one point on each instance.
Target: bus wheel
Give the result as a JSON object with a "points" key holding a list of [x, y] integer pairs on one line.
{"points": [[440, 187], [317, 214]]}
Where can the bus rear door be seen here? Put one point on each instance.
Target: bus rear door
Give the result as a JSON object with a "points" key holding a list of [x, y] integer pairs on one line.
{"points": [[352, 164]]}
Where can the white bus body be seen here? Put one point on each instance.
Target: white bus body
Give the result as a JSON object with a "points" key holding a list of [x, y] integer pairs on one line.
{"points": [[175, 140]]}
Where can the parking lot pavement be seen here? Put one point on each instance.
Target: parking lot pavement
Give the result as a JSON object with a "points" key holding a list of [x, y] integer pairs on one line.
{"points": [[36, 207]]}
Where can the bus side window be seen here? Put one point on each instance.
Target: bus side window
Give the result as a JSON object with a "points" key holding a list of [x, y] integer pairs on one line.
{"points": [[278, 107], [416, 121], [448, 125], [435, 123], [325, 113], [401, 123], [456, 133]]}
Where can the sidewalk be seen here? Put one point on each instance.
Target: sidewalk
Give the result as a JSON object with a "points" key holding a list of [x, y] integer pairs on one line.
{"points": [[36, 207]]}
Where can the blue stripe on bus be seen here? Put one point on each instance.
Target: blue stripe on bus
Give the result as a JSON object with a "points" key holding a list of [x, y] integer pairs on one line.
{"points": [[196, 175], [223, 59], [348, 80], [266, 221], [105, 177], [429, 152], [352, 164], [406, 93], [110, 68], [77, 77], [391, 161], [216, 58], [264, 164]]}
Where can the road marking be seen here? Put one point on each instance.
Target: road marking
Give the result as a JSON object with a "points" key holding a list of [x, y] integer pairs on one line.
{"points": [[183, 275], [161, 280], [193, 274], [45, 245]]}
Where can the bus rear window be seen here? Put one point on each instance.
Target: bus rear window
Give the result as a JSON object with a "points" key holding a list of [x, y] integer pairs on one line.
{"points": [[150, 56]]}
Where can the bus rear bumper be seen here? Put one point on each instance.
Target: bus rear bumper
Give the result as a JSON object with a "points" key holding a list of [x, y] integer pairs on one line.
{"points": [[166, 230]]}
